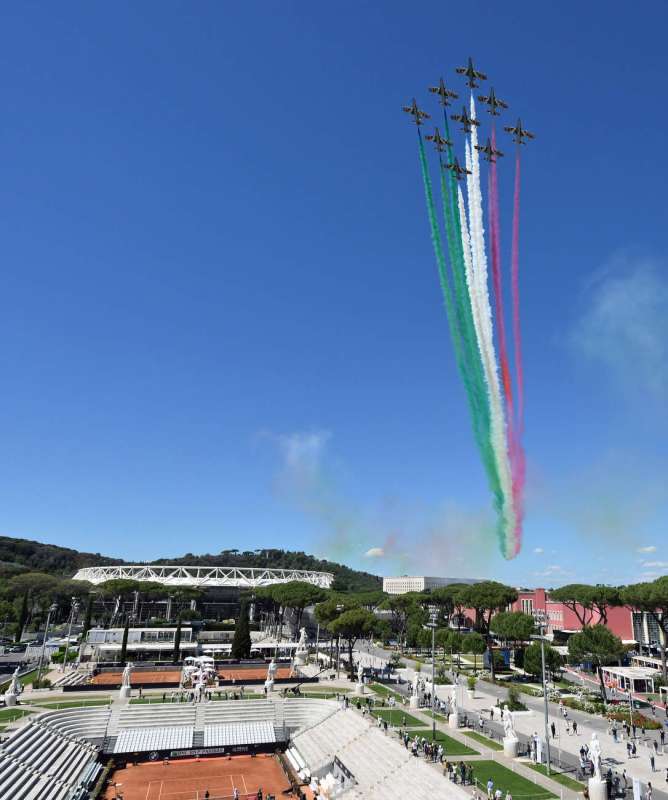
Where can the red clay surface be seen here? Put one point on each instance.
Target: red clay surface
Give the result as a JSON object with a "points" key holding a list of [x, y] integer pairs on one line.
{"points": [[252, 674], [189, 779], [168, 678]]}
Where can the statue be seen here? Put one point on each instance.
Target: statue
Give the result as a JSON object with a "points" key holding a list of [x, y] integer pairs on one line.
{"points": [[416, 685], [125, 684], [360, 672], [15, 686], [595, 755], [301, 644], [508, 724], [453, 700]]}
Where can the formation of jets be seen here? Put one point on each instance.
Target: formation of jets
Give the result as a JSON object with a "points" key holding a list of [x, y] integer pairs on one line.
{"points": [[493, 104], [458, 171]]}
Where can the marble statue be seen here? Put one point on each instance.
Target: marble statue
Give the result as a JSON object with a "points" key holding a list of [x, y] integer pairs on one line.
{"points": [[508, 724], [453, 700], [595, 755], [301, 644], [15, 686], [416, 684], [360, 672], [126, 675]]}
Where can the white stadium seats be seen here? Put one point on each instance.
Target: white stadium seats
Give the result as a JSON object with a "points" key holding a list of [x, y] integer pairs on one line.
{"points": [[239, 733], [138, 740]]}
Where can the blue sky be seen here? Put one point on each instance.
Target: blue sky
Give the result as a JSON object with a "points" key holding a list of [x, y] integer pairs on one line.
{"points": [[220, 322]]}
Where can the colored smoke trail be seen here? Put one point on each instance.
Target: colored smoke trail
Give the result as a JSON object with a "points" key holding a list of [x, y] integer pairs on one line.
{"points": [[461, 341], [484, 311]]}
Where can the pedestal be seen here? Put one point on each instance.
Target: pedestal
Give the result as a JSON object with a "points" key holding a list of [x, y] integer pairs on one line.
{"points": [[453, 721], [510, 746], [300, 658], [359, 689], [125, 692], [10, 699], [598, 790], [414, 702], [269, 686]]}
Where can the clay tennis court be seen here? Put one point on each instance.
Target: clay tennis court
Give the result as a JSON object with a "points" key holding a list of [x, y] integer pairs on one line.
{"points": [[189, 779], [252, 674], [137, 679]]}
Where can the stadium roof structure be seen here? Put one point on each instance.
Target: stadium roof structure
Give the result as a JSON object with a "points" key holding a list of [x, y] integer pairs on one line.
{"points": [[204, 577]]}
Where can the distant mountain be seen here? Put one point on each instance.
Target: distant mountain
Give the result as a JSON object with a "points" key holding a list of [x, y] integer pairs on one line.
{"points": [[23, 555]]}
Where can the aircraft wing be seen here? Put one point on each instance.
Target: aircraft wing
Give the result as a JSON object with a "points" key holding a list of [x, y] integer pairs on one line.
{"points": [[510, 129], [501, 103], [529, 134], [480, 75], [483, 99], [461, 70]]}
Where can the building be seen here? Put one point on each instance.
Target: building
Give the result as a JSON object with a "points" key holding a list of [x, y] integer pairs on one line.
{"points": [[144, 644], [417, 583]]}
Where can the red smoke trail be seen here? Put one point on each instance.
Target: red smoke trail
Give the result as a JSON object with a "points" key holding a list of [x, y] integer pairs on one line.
{"points": [[518, 458]]}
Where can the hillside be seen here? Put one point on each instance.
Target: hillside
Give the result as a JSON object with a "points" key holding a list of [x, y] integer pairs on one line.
{"points": [[24, 555], [346, 579]]}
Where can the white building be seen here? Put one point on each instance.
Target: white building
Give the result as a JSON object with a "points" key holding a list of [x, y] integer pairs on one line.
{"points": [[144, 644], [417, 583]]}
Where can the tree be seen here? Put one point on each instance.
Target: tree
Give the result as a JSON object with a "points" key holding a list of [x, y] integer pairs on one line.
{"points": [[586, 601], [597, 645], [401, 606], [32, 590], [652, 599], [351, 625], [513, 626], [124, 642], [298, 595], [241, 643], [474, 644], [177, 642], [533, 660], [485, 598]]}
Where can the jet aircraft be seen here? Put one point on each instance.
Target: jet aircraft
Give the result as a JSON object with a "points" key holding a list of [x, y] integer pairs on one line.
{"points": [[466, 121], [472, 74], [415, 112], [443, 93], [519, 133], [493, 102], [458, 171], [490, 153], [439, 142]]}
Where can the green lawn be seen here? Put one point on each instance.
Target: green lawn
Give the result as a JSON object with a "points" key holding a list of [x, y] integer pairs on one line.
{"points": [[558, 777], [26, 679], [100, 701], [10, 714], [483, 740], [452, 747], [385, 691], [397, 717], [507, 780]]}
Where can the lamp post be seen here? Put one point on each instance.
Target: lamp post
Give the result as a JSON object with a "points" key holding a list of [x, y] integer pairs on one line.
{"points": [[73, 612], [540, 621], [432, 624], [52, 610], [339, 608]]}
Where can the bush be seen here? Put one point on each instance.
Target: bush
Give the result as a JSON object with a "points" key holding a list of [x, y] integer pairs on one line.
{"points": [[44, 683], [514, 702], [638, 719], [471, 682]]}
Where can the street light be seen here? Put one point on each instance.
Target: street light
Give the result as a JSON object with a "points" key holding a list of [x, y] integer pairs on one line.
{"points": [[540, 621], [52, 610], [73, 612], [432, 625]]}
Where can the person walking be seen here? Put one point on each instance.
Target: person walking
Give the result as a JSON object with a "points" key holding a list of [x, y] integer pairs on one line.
{"points": [[490, 789], [652, 762], [553, 728], [648, 793], [575, 728]]}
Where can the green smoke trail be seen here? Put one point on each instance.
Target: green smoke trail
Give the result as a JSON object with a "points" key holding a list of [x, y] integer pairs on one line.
{"points": [[460, 321], [479, 399]]}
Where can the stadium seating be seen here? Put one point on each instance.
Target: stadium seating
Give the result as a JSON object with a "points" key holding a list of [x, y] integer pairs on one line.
{"points": [[43, 761], [383, 768], [147, 739], [239, 733]]}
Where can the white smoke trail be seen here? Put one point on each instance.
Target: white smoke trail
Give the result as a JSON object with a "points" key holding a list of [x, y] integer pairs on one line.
{"points": [[480, 298]]}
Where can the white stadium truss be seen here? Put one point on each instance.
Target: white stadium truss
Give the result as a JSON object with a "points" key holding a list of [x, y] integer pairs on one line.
{"points": [[241, 577]]}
